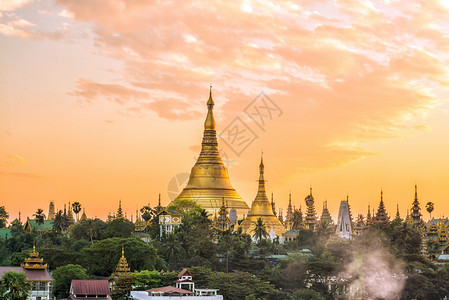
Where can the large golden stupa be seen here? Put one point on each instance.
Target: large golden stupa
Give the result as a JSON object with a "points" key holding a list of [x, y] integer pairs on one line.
{"points": [[261, 208], [209, 180]]}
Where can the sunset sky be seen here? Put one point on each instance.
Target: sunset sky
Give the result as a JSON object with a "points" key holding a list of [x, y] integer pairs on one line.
{"points": [[106, 100]]}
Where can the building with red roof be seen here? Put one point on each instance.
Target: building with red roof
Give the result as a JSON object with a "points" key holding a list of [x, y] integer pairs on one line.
{"points": [[90, 289]]}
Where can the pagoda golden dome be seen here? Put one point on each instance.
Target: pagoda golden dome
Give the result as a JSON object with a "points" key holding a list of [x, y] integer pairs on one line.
{"points": [[261, 208], [209, 180]]}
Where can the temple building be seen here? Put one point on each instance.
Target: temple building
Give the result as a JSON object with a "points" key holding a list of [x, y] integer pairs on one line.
{"points": [[223, 222], [325, 215], [359, 225], [35, 226], [310, 219], [169, 220], [51, 211], [261, 208], [289, 216], [344, 224], [209, 180], [381, 215], [36, 272], [415, 214], [122, 268]]}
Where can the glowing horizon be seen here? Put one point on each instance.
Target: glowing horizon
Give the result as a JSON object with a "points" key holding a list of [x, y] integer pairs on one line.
{"points": [[105, 100]]}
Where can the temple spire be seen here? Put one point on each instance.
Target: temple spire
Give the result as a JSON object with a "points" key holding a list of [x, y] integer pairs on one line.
{"points": [[261, 208], [209, 180], [209, 124]]}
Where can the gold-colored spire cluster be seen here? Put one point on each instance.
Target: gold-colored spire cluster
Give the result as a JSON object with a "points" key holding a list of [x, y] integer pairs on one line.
{"points": [[122, 266], [209, 180], [34, 262], [261, 208]]}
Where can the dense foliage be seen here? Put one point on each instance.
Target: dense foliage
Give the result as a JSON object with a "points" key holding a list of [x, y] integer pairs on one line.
{"points": [[316, 265]]}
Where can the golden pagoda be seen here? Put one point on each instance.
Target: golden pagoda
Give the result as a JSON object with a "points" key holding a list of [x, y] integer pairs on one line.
{"points": [[34, 262], [122, 267], [209, 180], [261, 208]]}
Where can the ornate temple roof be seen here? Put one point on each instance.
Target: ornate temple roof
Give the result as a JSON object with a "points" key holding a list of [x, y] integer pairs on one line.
{"points": [[310, 217], [326, 216], [122, 266], [34, 262], [209, 180], [381, 215], [261, 208]]}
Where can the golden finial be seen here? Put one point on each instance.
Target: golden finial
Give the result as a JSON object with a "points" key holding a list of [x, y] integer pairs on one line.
{"points": [[209, 124], [34, 248], [123, 251]]}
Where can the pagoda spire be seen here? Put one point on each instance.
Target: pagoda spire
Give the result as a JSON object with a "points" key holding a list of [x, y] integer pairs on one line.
{"points": [[289, 216], [382, 216], [159, 200], [416, 214], [310, 219], [122, 266], [273, 205], [209, 179], [261, 208], [398, 216], [325, 215], [209, 124], [119, 210]]}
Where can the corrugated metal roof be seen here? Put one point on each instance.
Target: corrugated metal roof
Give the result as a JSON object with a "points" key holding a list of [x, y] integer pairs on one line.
{"points": [[169, 290], [32, 275], [90, 287]]}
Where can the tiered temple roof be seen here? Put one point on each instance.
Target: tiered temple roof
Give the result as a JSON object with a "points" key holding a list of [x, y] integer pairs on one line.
{"points": [[122, 266], [325, 215], [382, 216], [310, 219], [34, 262]]}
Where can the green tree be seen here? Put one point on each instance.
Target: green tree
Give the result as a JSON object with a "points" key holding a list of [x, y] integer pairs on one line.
{"points": [[119, 227], [76, 206], [101, 258], [63, 278], [297, 219], [39, 216], [122, 286], [59, 222], [3, 217], [172, 250], [14, 286], [237, 285], [90, 230], [260, 231]]}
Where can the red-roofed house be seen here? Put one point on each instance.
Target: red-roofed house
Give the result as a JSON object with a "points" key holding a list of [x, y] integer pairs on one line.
{"points": [[185, 278], [37, 273], [90, 289]]}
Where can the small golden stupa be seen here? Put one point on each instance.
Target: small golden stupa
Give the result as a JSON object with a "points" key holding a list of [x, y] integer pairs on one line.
{"points": [[122, 266], [209, 180], [261, 208], [34, 262]]}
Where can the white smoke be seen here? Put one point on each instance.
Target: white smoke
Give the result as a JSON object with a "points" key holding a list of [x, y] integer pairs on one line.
{"points": [[374, 273]]}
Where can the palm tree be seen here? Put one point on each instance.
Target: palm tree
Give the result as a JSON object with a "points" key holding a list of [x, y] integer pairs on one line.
{"points": [[297, 220], [172, 249], [429, 207], [39, 216], [76, 206], [260, 231], [14, 286], [58, 222]]}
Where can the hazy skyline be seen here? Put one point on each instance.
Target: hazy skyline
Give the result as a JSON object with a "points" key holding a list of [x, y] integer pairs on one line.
{"points": [[105, 100]]}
